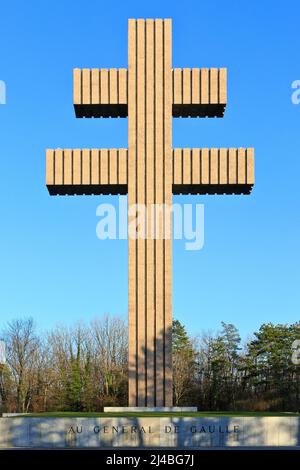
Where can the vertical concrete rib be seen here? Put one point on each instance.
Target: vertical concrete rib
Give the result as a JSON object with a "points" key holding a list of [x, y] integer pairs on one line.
{"points": [[159, 183], [141, 201], [132, 196], [168, 388]]}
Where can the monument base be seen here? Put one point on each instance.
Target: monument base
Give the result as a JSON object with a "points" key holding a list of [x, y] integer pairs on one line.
{"points": [[150, 432], [154, 409]]}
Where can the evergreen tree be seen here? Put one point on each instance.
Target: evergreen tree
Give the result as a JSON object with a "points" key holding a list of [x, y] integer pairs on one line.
{"points": [[183, 363], [269, 367]]}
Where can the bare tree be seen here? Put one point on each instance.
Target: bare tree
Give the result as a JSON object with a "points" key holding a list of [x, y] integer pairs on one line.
{"points": [[110, 345], [23, 347]]}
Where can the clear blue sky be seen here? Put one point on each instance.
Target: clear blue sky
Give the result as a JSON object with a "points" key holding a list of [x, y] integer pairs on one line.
{"points": [[53, 267]]}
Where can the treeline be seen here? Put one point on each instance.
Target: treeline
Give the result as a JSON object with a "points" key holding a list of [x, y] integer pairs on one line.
{"points": [[85, 368]]}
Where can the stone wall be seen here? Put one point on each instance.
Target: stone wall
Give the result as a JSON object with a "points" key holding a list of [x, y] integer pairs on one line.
{"points": [[149, 432]]}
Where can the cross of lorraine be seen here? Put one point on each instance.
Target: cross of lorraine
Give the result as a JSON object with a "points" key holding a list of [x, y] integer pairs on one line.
{"points": [[150, 92]]}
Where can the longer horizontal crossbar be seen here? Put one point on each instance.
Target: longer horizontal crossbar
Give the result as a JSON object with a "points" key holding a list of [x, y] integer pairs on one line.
{"points": [[105, 171], [197, 92], [87, 171], [213, 171]]}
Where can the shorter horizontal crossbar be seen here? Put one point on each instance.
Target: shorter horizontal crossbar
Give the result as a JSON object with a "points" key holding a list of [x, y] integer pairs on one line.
{"points": [[100, 110], [213, 171], [198, 110], [100, 92], [87, 171], [197, 92]]}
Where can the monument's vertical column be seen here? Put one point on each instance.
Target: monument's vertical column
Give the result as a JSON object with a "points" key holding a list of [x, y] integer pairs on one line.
{"points": [[168, 375], [150, 183]]}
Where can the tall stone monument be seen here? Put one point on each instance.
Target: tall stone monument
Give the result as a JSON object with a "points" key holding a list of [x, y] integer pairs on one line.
{"points": [[149, 93]]}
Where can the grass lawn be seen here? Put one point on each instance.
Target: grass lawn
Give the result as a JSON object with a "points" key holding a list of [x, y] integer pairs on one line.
{"points": [[201, 414]]}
